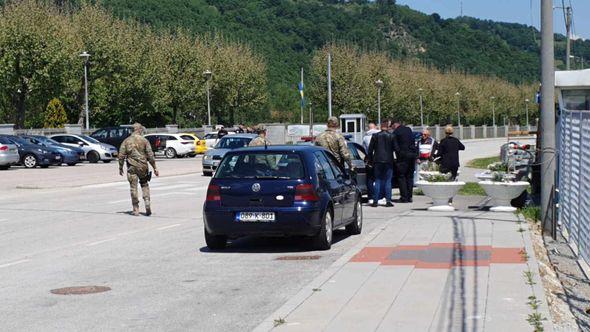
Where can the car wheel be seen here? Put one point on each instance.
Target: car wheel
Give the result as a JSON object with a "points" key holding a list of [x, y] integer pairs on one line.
{"points": [[4, 167], [207, 174], [215, 242], [30, 161], [106, 161], [355, 227], [93, 157], [323, 241], [71, 164], [170, 153]]}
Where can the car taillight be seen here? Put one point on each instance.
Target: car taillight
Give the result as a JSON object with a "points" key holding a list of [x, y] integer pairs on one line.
{"points": [[4, 148], [213, 193], [306, 192]]}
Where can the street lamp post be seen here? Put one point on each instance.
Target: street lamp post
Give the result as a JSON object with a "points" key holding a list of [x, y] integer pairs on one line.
{"points": [[458, 95], [526, 101], [493, 110], [421, 107], [207, 74], [86, 56], [379, 84]]}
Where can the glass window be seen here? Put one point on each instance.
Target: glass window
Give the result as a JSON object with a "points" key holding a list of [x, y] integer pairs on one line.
{"points": [[350, 127], [102, 134], [229, 142], [171, 138], [4, 140], [360, 152], [353, 151], [576, 100], [59, 139], [187, 137], [323, 168], [211, 136], [89, 139], [337, 170], [261, 166]]}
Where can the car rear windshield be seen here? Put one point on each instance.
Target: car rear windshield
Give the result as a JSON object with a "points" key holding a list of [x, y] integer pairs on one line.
{"points": [[4, 140], [233, 142], [261, 165]]}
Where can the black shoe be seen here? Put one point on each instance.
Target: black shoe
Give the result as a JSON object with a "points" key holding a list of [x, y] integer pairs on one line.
{"points": [[389, 204], [403, 201], [374, 205]]}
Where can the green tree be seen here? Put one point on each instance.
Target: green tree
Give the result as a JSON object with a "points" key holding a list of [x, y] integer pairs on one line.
{"points": [[55, 114]]}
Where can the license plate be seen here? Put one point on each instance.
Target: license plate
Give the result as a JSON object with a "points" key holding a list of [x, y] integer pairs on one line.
{"points": [[256, 216]]}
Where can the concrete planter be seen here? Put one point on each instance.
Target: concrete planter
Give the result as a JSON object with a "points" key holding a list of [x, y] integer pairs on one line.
{"points": [[440, 192], [502, 193], [484, 176]]}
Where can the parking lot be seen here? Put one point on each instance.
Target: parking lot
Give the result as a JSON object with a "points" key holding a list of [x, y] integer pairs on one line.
{"points": [[69, 226]]}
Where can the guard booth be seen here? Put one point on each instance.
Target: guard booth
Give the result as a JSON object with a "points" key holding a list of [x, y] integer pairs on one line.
{"points": [[573, 155], [353, 125]]}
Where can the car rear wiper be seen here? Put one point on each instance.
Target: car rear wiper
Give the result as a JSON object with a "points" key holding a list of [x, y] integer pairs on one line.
{"points": [[272, 177]]}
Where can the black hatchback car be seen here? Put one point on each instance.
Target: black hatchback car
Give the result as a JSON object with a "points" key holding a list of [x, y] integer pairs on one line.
{"points": [[280, 191], [113, 135], [33, 155]]}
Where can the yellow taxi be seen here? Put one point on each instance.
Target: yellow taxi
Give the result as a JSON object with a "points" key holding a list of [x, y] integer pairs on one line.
{"points": [[200, 146]]}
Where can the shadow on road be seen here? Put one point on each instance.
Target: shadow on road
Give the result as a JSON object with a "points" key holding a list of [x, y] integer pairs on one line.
{"points": [[256, 245]]}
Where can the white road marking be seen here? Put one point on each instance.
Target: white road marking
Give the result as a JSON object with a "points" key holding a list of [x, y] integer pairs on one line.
{"points": [[167, 187], [99, 242], [197, 188], [106, 185], [14, 263], [169, 226]]}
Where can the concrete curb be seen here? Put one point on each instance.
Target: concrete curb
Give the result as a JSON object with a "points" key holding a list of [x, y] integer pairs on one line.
{"points": [[293, 303]]}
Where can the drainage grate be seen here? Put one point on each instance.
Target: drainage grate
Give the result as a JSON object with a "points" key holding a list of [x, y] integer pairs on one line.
{"points": [[297, 258], [80, 290]]}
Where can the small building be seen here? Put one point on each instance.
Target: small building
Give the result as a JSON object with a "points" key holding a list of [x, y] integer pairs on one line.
{"points": [[353, 125]]}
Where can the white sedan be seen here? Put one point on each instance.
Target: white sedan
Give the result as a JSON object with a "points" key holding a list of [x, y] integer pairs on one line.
{"points": [[212, 138], [172, 145]]}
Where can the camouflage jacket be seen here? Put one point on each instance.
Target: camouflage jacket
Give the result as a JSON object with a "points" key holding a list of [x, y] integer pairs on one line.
{"points": [[137, 152], [335, 143], [259, 141]]}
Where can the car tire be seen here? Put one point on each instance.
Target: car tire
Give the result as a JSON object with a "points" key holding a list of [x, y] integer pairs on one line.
{"points": [[215, 242], [323, 240], [170, 153], [71, 164], [93, 157], [30, 161], [356, 227], [106, 161]]}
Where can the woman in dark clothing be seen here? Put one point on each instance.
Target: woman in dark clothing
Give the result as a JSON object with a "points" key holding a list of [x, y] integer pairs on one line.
{"points": [[448, 152]]}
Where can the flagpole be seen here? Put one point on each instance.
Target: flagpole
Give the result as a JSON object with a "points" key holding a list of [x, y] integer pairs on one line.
{"points": [[302, 98], [329, 84]]}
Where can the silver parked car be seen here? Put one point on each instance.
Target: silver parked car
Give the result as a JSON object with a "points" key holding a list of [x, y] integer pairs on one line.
{"points": [[213, 157], [8, 153], [95, 150]]}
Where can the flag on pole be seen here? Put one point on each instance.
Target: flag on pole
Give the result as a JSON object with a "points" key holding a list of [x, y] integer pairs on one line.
{"points": [[302, 94]]}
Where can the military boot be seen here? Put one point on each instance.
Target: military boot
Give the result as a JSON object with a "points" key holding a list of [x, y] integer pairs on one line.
{"points": [[148, 209], [135, 210]]}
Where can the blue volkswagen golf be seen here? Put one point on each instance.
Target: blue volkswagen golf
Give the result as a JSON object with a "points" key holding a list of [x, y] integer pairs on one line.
{"points": [[280, 191]]}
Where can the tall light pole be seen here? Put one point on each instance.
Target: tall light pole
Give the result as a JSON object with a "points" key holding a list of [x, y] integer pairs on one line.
{"points": [[526, 104], [329, 84], [207, 74], [493, 110], [421, 107], [379, 85], [86, 56], [458, 95]]}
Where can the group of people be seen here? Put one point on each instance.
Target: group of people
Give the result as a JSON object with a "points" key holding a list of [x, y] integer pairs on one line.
{"points": [[393, 151]]}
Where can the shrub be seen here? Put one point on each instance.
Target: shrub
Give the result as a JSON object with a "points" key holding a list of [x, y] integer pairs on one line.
{"points": [[55, 114]]}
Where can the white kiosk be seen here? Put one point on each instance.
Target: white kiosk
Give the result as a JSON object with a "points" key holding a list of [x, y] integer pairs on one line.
{"points": [[353, 124]]}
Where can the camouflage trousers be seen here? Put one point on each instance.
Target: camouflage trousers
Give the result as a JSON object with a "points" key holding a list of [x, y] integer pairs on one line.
{"points": [[145, 189]]}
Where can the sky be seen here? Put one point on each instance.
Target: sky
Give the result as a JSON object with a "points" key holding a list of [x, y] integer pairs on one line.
{"points": [[519, 11]]}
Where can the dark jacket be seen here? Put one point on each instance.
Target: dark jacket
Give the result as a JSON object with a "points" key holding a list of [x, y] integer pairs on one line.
{"points": [[448, 151], [406, 143], [381, 148]]}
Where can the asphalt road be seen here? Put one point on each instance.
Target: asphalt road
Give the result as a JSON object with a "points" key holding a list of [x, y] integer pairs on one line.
{"points": [[76, 231]]}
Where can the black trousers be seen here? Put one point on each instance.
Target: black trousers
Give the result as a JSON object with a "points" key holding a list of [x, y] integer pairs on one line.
{"points": [[452, 170], [405, 177]]}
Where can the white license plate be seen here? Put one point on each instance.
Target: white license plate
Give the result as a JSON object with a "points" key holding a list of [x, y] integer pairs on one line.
{"points": [[256, 216]]}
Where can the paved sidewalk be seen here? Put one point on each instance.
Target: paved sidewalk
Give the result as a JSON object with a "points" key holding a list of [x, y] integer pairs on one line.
{"points": [[465, 271]]}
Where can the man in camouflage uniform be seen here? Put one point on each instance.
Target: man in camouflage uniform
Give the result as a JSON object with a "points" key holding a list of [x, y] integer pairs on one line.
{"points": [[137, 153], [334, 142], [261, 139]]}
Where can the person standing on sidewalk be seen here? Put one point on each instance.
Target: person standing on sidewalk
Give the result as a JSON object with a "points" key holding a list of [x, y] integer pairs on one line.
{"points": [[406, 161], [427, 147], [137, 153], [334, 142], [369, 169], [448, 152], [380, 156]]}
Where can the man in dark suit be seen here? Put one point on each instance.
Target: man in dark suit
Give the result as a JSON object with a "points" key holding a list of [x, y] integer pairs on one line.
{"points": [[448, 152], [406, 160], [380, 157]]}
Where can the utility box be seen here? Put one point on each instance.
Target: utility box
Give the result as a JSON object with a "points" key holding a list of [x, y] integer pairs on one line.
{"points": [[353, 125]]}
